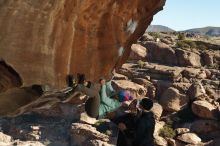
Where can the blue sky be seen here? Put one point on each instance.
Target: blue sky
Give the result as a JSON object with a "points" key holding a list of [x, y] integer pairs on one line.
{"points": [[186, 14]]}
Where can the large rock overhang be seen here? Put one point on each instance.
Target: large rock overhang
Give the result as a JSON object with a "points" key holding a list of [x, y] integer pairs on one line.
{"points": [[44, 41]]}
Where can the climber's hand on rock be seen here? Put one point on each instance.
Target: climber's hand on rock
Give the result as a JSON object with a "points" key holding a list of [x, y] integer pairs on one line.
{"points": [[103, 82]]}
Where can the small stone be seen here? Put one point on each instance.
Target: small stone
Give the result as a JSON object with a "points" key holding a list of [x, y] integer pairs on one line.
{"points": [[182, 130], [160, 141], [5, 138], [190, 138]]}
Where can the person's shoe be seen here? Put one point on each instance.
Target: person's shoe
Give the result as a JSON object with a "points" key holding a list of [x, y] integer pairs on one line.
{"points": [[71, 81]]}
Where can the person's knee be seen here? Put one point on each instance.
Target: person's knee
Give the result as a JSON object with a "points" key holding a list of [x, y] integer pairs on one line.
{"points": [[92, 108]]}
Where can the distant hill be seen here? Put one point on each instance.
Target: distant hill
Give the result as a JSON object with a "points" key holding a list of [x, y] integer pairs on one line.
{"points": [[209, 31], [159, 28]]}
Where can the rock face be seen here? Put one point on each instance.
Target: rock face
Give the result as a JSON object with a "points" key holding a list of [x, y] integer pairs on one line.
{"points": [[9, 77], [135, 90], [138, 52], [83, 134], [5, 138], [172, 100], [46, 40], [203, 109], [196, 90], [161, 52], [157, 110], [186, 58]]}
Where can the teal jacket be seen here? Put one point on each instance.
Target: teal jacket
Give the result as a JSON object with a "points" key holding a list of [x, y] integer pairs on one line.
{"points": [[107, 104]]}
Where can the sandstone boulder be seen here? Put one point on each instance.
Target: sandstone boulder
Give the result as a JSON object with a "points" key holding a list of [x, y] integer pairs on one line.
{"points": [[84, 134], [142, 82], [189, 138], [84, 118], [157, 110], [161, 53], [173, 142], [203, 109], [138, 52], [158, 125], [166, 41], [160, 141], [163, 72], [161, 86], [196, 90], [182, 130], [151, 89], [5, 138], [27, 143], [208, 58], [190, 73], [172, 100], [187, 58], [119, 77], [136, 90], [182, 87], [54, 105]]}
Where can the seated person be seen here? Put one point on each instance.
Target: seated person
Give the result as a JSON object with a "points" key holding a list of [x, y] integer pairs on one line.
{"points": [[143, 126], [125, 136]]}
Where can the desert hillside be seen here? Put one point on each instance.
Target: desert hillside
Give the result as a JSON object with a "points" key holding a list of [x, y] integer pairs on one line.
{"points": [[159, 28], [208, 31]]}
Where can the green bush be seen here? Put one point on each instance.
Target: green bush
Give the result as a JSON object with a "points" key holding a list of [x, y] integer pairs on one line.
{"points": [[186, 44], [167, 131], [191, 43], [140, 63], [202, 47], [214, 66], [182, 44], [155, 35], [181, 36]]}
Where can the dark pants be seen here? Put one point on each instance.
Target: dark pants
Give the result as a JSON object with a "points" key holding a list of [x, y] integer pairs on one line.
{"points": [[93, 103], [125, 137]]}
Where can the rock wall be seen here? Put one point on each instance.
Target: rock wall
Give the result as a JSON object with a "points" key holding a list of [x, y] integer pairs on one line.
{"points": [[43, 41]]}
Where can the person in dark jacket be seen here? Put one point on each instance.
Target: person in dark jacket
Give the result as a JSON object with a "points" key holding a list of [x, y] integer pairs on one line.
{"points": [[144, 125], [125, 136]]}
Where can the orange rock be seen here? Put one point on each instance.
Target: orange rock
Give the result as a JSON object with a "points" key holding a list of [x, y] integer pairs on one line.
{"points": [[44, 41]]}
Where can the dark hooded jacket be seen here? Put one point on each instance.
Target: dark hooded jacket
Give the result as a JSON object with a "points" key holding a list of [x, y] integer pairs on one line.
{"points": [[143, 135]]}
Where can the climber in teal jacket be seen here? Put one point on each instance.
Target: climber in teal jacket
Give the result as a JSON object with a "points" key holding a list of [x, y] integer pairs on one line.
{"points": [[107, 102], [103, 98]]}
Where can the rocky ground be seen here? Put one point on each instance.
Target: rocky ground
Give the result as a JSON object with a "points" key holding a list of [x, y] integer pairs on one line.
{"points": [[179, 72], [55, 119]]}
